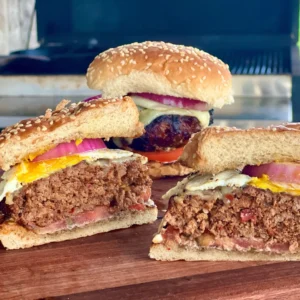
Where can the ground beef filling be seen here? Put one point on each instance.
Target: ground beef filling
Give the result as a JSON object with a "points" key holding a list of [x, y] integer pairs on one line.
{"points": [[81, 188], [248, 213]]}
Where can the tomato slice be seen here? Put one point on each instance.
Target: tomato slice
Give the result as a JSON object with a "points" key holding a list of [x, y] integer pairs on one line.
{"points": [[163, 156], [137, 206]]}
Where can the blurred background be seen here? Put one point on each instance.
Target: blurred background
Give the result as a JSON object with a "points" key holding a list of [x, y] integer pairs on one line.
{"points": [[46, 47]]}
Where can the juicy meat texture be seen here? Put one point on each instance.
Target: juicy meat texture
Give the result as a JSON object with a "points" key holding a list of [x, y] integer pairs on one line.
{"points": [[248, 214], [168, 131], [81, 188]]}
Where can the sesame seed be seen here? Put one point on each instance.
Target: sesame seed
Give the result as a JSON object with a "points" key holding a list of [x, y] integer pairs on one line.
{"points": [[180, 69], [167, 72], [201, 67], [44, 128], [146, 56], [28, 125], [28, 122], [192, 68], [205, 65], [39, 128], [168, 56], [219, 72], [22, 130], [36, 121], [93, 105], [160, 55], [149, 64], [51, 123], [204, 77], [194, 76], [209, 69], [72, 117], [17, 137], [174, 81]]}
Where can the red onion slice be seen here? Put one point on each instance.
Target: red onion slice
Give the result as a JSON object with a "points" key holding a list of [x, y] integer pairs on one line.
{"points": [[278, 172], [174, 101], [93, 98], [66, 149]]}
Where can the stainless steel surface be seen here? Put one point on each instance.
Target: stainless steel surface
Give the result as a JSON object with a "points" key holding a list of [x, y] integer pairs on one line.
{"points": [[245, 112], [243, 85], [260, 108], [276, 86]]}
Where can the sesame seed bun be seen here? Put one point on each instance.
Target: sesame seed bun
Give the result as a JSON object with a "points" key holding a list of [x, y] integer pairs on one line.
{"points": [[100, 118], [161, 68], [215, 149]]}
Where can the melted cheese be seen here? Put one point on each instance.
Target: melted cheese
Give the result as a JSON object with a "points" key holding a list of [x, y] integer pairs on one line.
{"points": [[153, 110], [78, 142], [266, 184], [27, 172], [148, 115]]}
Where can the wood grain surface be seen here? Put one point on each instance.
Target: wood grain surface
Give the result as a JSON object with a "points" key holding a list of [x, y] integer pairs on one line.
{"points": [[115, 265]]}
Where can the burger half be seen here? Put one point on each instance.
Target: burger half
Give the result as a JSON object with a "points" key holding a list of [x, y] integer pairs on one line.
{"points": [[242, 204], [60, 182], [175, 88]]}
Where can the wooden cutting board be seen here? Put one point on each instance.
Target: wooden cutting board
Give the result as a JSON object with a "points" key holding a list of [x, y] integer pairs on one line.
{"points": [[115, 265]]}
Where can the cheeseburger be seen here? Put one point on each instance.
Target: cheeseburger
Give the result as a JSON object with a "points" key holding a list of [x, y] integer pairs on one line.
{"points": [[60, 182], [175, 88]]}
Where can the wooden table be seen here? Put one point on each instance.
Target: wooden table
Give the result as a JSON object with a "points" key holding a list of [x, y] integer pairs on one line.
{"points": [[115, 265]]}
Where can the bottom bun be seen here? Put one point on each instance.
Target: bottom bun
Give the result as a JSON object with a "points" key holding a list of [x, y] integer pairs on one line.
{"points": [[174, 252], [159, 170], [14, 236]]}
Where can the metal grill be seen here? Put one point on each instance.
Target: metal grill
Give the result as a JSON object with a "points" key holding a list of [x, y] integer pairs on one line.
{"points": [[257, 62]]}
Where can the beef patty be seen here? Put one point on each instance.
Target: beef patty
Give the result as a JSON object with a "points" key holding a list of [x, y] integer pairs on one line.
{"points": [[167, 131], [80, 188], [249, 213]]}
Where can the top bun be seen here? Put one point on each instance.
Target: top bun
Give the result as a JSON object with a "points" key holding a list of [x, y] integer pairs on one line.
{"points": [[216, 149], [161, 68], [100, 118]]}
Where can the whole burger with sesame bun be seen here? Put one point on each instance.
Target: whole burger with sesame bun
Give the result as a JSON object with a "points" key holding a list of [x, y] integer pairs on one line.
{"points": [[175, 88]]}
